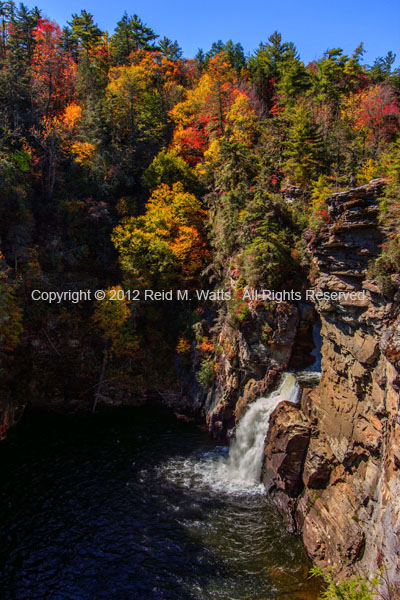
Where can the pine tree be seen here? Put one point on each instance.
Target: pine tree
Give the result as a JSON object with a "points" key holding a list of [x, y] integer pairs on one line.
{"points": [[233, 54], [82, 34], [18, 42], [304, 147], [170, 49], [277, 63], [131, 34], [337, 75]]}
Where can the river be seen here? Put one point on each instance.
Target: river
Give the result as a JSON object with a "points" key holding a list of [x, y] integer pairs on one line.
{"points": [[133, 504]]}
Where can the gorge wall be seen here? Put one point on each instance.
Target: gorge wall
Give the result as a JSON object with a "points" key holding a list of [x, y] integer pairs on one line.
{"points": [[333, 464]]}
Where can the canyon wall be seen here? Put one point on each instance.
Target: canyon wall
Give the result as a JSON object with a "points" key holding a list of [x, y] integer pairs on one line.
{"points": [[333, 463]]}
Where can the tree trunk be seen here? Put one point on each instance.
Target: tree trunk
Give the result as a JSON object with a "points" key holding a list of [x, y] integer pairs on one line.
{"points": [[101, 378]]}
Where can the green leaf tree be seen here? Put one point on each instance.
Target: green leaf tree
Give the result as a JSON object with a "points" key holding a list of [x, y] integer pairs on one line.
{"points": [[304, 147]]}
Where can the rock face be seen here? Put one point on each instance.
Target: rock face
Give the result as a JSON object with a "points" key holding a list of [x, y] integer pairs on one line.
{"points": [[248, 364], [285, 449], [347, 503]]}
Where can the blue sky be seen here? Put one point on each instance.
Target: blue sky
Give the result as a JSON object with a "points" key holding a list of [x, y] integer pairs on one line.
{"points": [[313, 25]]}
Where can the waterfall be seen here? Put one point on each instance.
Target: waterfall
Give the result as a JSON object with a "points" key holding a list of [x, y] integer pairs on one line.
{"points": [[246, 452], [237, 471]]}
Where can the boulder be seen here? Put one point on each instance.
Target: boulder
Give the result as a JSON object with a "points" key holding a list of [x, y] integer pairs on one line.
{"points": [[285, 449]]}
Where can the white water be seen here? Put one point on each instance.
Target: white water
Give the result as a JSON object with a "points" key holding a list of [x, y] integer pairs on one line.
{"points": [[239, 471], [246, 452]]}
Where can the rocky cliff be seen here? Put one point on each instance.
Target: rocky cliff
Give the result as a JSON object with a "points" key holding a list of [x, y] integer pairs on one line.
{"points": [[333, 464]]}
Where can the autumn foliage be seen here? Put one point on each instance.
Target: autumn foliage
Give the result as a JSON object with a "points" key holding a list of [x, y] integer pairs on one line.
{"points": [[123, 163], [53, 71], [165, 247]]}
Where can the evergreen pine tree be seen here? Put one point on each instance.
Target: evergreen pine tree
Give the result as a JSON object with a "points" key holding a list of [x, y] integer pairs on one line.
{"points": [[131, 34]]}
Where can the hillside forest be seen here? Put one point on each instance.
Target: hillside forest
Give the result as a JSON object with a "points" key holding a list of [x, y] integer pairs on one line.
{"points": [[125, 165]]}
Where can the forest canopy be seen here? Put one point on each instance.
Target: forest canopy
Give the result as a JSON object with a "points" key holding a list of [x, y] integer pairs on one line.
{"points": [[124, 163]]}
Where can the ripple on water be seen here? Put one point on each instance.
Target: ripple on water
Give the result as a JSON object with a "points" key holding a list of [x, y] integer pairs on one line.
{"points": [[208, 471], [134, 505]]}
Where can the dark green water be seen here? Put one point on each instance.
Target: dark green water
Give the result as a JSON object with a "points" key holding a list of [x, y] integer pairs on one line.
{"points": [[114, 507]]}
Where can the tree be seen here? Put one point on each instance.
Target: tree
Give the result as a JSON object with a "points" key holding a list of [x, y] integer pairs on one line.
{"points": [[131, 34], [170, 49], [304, 147], [265, 242], [337, 75], [355, 588], [199, 60], [233, 54], [54, 139], [277, 64], [7, 11], [10, 314], [135, 104], [201, 117], [48, 141], [375, 113], [52, 69], [18, 43], [82, 33], [112, 315], [242, 121], [164, 247], [382, 71], [169, 168]]}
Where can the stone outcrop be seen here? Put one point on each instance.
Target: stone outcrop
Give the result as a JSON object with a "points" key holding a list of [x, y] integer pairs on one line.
{"points": [[248, 364], [348, 503], [285, 449]]}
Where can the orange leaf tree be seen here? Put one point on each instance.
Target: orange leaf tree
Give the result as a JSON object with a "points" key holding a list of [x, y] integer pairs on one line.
{"points": [[53, 71]]}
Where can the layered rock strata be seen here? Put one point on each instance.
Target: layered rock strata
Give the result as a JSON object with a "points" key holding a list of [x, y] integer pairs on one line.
{"points": [[343, 491]]}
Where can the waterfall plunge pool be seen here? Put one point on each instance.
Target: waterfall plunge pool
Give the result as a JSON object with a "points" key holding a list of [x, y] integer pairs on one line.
{"points": [[136, 505]]}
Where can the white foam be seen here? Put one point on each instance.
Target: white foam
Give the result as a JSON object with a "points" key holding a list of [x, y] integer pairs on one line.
{"points": [[239, 470]]}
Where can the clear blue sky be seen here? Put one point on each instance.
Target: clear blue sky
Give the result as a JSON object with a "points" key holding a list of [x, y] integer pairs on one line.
{"points": [[313, 25]]}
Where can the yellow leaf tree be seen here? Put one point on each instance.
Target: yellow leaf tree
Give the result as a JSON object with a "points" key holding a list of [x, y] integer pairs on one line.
{"points": [[165, 247]]}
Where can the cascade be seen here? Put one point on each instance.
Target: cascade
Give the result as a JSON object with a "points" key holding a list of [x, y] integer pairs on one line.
{"points": [[237, 470], [246, 452]]}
